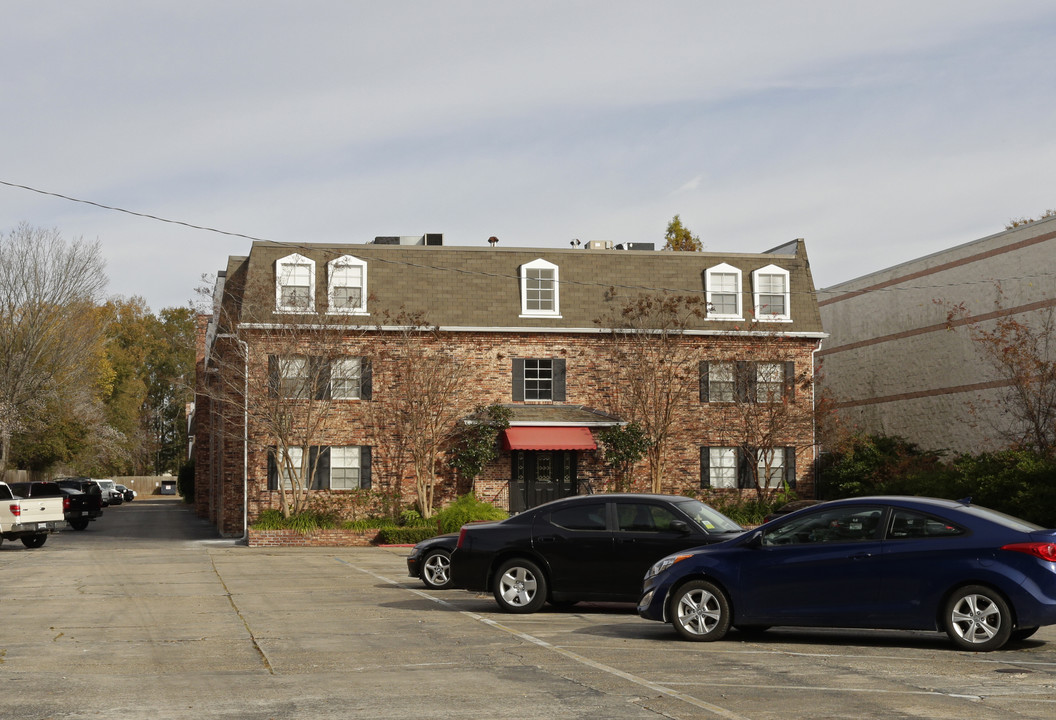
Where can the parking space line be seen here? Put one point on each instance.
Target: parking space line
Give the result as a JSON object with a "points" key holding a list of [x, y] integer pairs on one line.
{"points": [[655, 687]]}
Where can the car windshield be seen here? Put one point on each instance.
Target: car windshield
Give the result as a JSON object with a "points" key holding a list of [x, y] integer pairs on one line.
{"points": [[708, 518]]}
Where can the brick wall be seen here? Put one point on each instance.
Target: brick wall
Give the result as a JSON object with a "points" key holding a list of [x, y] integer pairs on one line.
{"points": [[318, 538], [589, 382]]}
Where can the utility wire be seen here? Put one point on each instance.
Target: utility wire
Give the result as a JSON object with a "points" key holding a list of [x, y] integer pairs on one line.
{"points": [[307, 247]]}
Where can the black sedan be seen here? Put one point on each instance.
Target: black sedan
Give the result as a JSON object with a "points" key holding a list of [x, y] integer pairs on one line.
{"points": [[882, 562], [430, 560], [588, 547]]}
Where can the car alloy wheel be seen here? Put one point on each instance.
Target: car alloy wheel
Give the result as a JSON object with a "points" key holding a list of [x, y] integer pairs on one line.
{"points": [[977, 618], [701, 611], [436, 570], [519, 586]]}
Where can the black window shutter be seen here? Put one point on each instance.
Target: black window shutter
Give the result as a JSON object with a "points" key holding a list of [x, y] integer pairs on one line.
{"points": [[320, 458], [559, 380], [704, 384], [518, 380], [744, 381], [320, 373], [705, 465], [364, 467], [790, 467], [273, 470], [273, 376], [366, 379], [790, 381], [744, 468]]}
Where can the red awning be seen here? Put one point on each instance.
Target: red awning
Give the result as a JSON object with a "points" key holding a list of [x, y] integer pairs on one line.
{"points": [[548, 438]]}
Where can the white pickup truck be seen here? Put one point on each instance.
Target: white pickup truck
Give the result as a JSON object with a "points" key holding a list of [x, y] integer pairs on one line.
{"points": [[29, 520]]}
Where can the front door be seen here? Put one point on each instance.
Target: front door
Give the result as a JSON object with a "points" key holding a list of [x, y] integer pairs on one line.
{"points": [[539, 476]]}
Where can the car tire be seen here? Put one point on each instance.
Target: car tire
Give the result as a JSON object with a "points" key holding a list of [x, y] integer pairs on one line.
{"points": [[34, 541], [436, 570], [519, 586], [751, 630], [1023, 633], [79, 524], [700, 611], [977, 618]]}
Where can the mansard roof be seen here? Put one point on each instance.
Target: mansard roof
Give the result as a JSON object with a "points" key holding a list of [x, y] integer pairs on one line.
{"points": [[468, 288]]}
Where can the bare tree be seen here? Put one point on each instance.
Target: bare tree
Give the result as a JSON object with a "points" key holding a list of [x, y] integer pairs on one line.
{"points": [[654, 367], [425, 396], [765, 405], [1023, 356], [50, 331], [276, 384]]}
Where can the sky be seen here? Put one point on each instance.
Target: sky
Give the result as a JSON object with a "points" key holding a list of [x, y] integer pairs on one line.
{"points": [[877, 131]]}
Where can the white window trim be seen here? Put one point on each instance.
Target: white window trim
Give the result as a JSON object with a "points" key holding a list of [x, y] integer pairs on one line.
{"points": [[357, 393], [719, 453], [540, 264], [358, 466], [280, 264], [778, 317], [361, 309], [771, 454], [723, 268]]}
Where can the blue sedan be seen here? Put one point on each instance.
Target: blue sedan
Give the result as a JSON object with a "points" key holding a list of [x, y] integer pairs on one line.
{"points": [[883, 562]]}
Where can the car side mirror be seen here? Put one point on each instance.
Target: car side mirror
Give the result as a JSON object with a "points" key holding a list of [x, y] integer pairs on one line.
{"points": [[754, 541], [680, 526]]}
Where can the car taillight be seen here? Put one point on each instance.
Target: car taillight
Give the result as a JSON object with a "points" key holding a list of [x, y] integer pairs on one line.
{"points": [[461, 536], [16, 509], [65, 503], [1043, 550]]}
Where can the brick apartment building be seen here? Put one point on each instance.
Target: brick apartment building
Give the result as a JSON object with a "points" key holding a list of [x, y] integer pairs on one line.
{"points": [[531, 330]]}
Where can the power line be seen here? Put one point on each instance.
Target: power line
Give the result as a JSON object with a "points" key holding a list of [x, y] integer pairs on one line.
{"points": [[315, 248]]}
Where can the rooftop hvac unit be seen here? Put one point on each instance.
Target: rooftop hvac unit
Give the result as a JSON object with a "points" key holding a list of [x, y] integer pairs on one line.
{"points": [[636, 246], [387, 240], [434, 238], [599, 245]]}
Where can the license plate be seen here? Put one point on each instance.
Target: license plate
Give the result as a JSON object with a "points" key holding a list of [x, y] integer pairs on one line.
{"points": [[42, 526]]}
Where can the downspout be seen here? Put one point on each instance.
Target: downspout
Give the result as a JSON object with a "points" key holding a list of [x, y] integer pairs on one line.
{"points": [[814, 412]]}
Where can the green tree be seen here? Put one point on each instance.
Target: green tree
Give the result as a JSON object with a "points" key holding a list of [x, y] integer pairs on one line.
{"points": [[477, 444], [680, 238], [49, 329], [624, 446], [168, 374]]}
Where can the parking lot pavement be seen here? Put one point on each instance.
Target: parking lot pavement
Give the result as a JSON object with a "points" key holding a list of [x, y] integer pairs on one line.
{"points": [[147, 614]]}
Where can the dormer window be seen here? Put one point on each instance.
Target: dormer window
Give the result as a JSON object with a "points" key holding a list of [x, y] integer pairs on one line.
{"points": [[294, 284], [539, 289], [347, 285], [723, 288], [772, 294]]}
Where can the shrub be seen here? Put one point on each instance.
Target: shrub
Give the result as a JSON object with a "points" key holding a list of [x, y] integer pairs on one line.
{"points": [[746, 509], [404, 535], [466, 509]]}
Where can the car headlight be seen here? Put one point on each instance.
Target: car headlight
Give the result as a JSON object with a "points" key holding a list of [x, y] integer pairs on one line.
{"points": [[664, 563]]}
